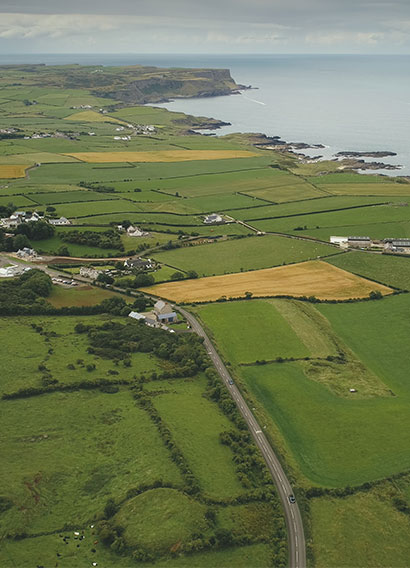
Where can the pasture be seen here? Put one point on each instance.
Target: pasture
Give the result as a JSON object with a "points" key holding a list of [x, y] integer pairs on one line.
{"points": [[388, 269], [82, 295], [238, 255], [315, 278], [261, 332]]}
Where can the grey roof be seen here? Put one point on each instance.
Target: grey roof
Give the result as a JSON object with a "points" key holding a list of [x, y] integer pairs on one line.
{"points": [[358, 238], [401, 243]]}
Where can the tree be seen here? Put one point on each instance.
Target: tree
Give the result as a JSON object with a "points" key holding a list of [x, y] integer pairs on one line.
{"points": [[248, 295], [105, 278], [177, 276], [50, 209], [63, 251], [143, 280], [20, 241], [375, 295], [192, 274]]}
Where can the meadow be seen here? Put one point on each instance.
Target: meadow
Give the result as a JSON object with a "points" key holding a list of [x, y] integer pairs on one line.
{"points": [[160, 156], [314, 278]]}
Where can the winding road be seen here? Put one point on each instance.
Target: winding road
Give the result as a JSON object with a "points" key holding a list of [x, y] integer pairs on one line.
{"points": [[296, 537]]}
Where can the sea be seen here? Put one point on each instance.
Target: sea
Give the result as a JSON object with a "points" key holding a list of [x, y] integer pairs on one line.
{"points": [[345, 102]]}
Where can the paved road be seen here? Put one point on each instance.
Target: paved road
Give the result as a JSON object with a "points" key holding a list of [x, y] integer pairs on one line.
{"points": [[296, 538]]}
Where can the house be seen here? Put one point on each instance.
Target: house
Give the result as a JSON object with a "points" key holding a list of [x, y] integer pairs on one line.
{"points": [[213, 218], [60, 221], [341, 241], [89, 272], [359, 242], [164, 312], [26, 252], [139, 263], [136, 232], [33, 218]]}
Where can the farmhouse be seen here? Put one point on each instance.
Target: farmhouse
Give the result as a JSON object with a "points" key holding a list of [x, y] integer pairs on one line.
{"points": [[213, 218], [89, 272], [164, 312], [60, 221], [139, 263], [359, 242], [136, 232], [26, 252]]}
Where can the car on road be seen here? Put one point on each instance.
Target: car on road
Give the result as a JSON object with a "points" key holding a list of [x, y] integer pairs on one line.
{"points": [[230, 381], [292, 499]]}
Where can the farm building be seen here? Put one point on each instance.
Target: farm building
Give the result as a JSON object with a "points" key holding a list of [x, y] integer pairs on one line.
{"points": [[26, 252], [137, 316], [213, 218], [164, 312], [397, 245], [359, 242], [341, 241]]}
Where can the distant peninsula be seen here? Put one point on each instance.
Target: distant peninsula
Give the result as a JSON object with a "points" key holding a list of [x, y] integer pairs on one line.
{"points": [[128, 84]]}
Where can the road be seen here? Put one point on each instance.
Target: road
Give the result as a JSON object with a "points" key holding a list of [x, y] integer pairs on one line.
{"points": [[296, 538]]}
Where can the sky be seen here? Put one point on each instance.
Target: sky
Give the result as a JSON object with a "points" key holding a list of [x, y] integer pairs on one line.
{"points": [[205, 26]]}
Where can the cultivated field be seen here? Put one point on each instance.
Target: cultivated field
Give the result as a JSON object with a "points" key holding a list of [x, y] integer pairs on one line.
{"points": [[92, 116], [13, 171], [161, 156], [314, 278]]}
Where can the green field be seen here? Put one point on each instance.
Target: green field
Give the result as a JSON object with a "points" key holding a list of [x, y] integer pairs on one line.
{"points": [[388, 269], [366, 528], [264, 342], [76, 449], [216, 476], [336, 437], [243, 254]]}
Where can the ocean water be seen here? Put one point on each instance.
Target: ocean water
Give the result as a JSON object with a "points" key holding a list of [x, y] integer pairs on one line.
{"points": [[346, 102]]}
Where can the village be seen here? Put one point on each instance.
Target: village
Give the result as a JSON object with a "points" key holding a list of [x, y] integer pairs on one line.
{"points": [[392, 245]]}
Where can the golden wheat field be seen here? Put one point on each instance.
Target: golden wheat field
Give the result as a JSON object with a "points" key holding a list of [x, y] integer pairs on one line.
{"points": [[92, 116], [160, 156], [13, 171], [313, 278]]}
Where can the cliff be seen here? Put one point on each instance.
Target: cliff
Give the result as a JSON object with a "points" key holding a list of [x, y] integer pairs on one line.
{"points": [[130, 84]]}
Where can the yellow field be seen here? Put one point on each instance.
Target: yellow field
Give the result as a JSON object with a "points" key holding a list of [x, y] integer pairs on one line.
{"points": [[313, 278], [13, 171], [93, 116], [160, 156]]}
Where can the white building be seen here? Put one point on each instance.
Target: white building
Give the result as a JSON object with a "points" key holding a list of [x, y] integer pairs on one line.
{"points": [[213, 218], [88, 272], [60, 221], [136, 232], [341, 241]]}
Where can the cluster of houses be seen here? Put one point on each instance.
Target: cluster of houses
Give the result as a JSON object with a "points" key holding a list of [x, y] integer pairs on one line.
{"points": [[162, 314], [135, 263], [388, 245], [20, 217]]}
